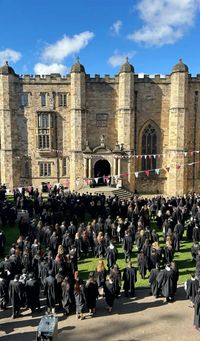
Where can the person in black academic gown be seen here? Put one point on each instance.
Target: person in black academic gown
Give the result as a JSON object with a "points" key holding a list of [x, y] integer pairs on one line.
{"points": [[111, 255], [79, 295], [16, 293], [127, 245], [50, 292], [153, 281], [129, 278], [166, 283], [191, 288], [91, 293], [197, 311], [109, 291], [33, 293], [66, 295], [3, 291]]}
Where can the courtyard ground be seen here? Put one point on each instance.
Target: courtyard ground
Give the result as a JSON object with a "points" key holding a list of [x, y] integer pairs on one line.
{"points": [[138, 319]]}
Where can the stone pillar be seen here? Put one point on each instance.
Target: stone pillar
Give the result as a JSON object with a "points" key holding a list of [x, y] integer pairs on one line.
{"points": [[126, 113], [177, 177], [78, 122], [90, 168], [115, 167], [9, 157], [85, 166], [119, 167]]}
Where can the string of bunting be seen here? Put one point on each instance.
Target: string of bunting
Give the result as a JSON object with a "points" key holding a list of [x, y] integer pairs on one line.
{"points": [[88, 181]]}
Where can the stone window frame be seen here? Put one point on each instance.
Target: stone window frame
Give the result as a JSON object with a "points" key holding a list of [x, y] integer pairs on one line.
{"points": [[45, 169], [62, 99], [64, 166], [45, 130], [43, 99], [152, 163], [24, 99], [101, 120]]}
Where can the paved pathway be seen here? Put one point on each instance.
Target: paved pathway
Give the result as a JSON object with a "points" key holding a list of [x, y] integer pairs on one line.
{"points": [[139, 319]]}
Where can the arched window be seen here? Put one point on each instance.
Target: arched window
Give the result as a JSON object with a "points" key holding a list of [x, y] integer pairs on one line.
{"points": [[149, 148]]}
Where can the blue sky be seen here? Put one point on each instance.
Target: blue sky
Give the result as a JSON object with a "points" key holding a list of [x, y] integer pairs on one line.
{"points": [[44, 36]]}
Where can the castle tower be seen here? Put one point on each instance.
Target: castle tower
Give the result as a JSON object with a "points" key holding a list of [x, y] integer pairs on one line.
{"points": [[7, 77], [126, 117], [78, 122], [177, 176]]}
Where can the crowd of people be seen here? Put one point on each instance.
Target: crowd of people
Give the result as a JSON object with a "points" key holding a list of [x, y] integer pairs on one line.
{"points": [[65, 227]]}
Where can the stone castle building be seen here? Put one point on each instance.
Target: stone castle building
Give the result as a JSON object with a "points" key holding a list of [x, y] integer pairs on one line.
{"points": [[55, 129]]}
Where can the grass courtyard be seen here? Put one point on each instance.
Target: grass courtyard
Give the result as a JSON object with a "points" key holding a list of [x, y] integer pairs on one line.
{"points": [[183, 258]]}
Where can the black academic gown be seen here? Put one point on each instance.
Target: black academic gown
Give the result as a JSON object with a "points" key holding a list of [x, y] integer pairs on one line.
{"points": [[16, 293], [50, 291], [197, 311], [192, 287], [129, 278], [33, 294], [91, 293], [109, 291], [166, 282], [3, 293], [153, 282]]}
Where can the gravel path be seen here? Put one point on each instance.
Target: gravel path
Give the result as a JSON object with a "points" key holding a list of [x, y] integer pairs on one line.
{"points": [[138, 319]]}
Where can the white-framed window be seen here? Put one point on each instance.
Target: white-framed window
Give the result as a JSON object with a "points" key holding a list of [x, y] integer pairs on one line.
{"points": [[45, 169], [62, 99], [24, 99]]}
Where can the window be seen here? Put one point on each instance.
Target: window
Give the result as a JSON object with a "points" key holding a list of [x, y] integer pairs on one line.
{"points": [[24, 99], [26, 169], [45, 169], [43, 96], [64, 167], [149, 148], [101, 120], [62, 100], [43, 130]]}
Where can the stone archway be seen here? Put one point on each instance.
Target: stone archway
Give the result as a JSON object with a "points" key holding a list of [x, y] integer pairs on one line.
{"points": [[101, 168]]}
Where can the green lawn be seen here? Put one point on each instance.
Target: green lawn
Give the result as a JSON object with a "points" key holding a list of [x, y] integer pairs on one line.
{"points": [[182, 258]]}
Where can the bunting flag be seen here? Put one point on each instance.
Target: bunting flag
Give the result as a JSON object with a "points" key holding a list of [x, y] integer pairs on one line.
{"points": [[125, 174], [66, 183], [178, 166], [157, 171], [96, 180], [167, 168], [147, 172], [77, 183], [136, 174]]}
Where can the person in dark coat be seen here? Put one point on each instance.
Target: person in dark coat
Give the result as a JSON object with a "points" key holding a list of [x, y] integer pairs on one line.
{"points": [[191, 288], [166, 283], [2, 241], [91, 293], [197, 311], [66, 295], [109, 291], [127, 245], [129, 278], [50, 292], [33, 293], [4, 297], [16, 293]]}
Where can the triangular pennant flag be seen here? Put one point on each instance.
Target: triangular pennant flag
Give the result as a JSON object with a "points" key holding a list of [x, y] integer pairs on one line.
{"points": [[147, 172], [125, 174], [154, 156], [149, 156], [145, 156], [136, 174], [157, 171], [159, 155], [66, 183], [77, 183], [137, 156], [167, 168], [96, 180], [197, 151], [185, 153], [191, 153], [178, 166]]}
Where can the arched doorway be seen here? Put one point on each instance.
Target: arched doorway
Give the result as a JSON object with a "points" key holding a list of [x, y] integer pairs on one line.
{"points": [[101, 168]]}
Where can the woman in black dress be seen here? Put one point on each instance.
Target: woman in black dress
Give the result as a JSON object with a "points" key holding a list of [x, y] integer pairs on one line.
{"points": [[109, 291]]}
